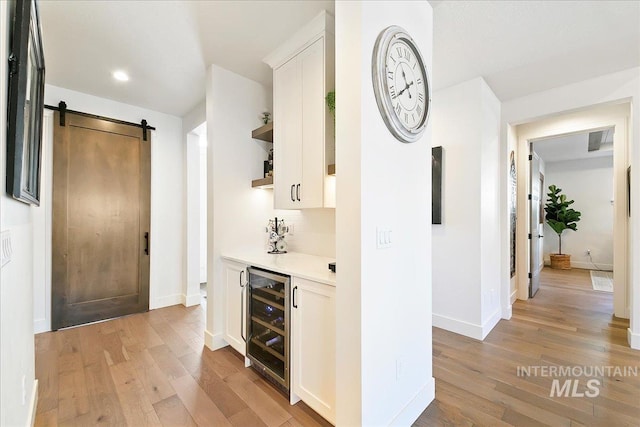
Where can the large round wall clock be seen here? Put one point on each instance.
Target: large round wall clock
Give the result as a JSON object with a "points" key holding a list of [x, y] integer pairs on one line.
{"points": [[400, 84]]}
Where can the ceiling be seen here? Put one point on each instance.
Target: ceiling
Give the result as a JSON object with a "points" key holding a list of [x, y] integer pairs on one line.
{"points": [[522, 47], [519, 47], [572, 147], [164, 46]]}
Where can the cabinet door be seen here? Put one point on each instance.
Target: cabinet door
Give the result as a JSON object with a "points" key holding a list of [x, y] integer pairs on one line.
{"points": [[235, 279], [287, 146], [313, 125], [313, 346]]}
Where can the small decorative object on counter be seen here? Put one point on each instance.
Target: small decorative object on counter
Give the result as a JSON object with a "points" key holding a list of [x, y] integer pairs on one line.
{"points": [[266, 116], [276, 230]]}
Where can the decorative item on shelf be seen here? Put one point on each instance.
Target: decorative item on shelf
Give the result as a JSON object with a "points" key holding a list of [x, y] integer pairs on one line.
{"points": [[266, 116], [276, 230], [560, 217], [331, 103], [270, 160]]}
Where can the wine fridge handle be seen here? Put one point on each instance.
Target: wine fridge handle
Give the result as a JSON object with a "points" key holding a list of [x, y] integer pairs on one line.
{"points": [[295, 288], [242, 285], [242, 319]]}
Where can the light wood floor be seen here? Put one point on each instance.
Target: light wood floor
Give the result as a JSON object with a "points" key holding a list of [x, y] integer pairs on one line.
{"points": [[152, 368], [565, 324]]}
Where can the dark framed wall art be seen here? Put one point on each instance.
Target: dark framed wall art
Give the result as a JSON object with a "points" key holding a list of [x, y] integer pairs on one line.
{"points": [[513, 209], [436, 185], [25, 104]]}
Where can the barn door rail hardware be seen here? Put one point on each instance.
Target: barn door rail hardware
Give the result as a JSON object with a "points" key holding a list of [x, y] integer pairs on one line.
{"points": [[62, 109]]}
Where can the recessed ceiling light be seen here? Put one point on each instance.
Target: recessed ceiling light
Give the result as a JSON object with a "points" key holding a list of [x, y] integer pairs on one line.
{"points": [[121, 76]]}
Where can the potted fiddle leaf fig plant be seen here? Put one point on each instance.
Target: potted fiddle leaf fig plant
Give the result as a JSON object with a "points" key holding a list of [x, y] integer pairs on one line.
{"points": [[560, 217]]}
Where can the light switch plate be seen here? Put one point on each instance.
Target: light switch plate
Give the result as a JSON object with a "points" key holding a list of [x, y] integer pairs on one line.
{"points": [[383, 238], [6, 250]]}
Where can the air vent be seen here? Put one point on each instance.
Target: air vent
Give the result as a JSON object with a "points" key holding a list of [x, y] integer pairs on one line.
{"points": [[595, 140]]}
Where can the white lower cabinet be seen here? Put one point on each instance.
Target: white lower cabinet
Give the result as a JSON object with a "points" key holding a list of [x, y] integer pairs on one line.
{"points": [[313, 346], [235, 289]]}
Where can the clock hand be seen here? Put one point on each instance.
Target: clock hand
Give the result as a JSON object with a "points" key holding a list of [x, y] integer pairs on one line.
{"points": [[406, 87]]}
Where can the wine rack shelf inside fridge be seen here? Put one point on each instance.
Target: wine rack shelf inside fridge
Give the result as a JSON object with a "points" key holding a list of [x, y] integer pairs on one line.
{"points": [[268, 324]]}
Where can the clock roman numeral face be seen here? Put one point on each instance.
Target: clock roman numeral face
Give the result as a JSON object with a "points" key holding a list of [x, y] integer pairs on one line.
{"points": [[405, 84]]}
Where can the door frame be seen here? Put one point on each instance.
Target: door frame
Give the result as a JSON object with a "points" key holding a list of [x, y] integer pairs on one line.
{"points": [[598, 118]]}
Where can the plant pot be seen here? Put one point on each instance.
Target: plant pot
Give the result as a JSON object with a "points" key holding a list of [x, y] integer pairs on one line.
{"points": [[561, 261]]}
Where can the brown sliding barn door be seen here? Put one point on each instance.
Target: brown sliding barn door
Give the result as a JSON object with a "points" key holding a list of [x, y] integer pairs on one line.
{"points": [[101, 198]]}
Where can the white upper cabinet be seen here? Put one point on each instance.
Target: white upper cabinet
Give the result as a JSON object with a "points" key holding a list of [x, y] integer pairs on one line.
{"points": [[304, 144]]}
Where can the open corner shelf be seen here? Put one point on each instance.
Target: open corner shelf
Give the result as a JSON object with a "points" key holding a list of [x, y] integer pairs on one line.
{"points": [[262, 182], [264, 133], [331, 169]]}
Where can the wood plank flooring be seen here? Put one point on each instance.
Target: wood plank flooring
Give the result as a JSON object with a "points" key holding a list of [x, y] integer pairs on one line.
{"points": [[565, 324], [153, 369]]}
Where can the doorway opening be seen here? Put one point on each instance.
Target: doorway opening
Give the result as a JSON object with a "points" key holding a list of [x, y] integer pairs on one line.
{"points": [[610, 124], [580, 167], [197, 216]]}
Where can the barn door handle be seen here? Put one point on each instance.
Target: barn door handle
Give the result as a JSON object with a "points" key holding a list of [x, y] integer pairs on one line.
{"points": [[146, 243]]}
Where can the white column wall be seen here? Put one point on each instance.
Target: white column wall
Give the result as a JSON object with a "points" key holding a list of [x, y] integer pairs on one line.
{"points": [[383, 295], [466, 246]]}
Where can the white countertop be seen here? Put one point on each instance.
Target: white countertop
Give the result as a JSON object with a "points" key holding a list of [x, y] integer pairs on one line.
{"points": [[295, 264]]}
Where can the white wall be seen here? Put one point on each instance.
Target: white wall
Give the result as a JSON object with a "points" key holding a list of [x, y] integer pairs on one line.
{"points": [[383, 297], [166, 187], [590, 183], [465, 274], [623, 86], [193, 126], [17, 363], [237, 213]]}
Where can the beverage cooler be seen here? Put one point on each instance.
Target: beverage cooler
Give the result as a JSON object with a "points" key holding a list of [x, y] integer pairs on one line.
{"points": [[268, 325]]}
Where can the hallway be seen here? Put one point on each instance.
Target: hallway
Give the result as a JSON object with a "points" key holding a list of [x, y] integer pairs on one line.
{"points": [[566, 324]]}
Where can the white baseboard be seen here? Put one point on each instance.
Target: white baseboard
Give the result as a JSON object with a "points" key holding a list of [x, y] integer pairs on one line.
{"points": [[633, 339], [514, 295], [191, 300], [214, 342], [412, 410], [41, 325], [507, 312], [491, 323], [461, 327], [166, 301], [585, 265], [33, 404]]}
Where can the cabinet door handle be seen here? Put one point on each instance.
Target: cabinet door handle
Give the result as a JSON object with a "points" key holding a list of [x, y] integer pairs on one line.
{"points": [[298, 192], [241, 282], [242, 319], [292, 197], [146, 243], [295, 288]]}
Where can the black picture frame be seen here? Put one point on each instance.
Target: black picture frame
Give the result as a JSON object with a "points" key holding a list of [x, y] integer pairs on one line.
{"points": [[25, 104], [436, 185]]}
